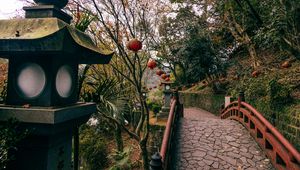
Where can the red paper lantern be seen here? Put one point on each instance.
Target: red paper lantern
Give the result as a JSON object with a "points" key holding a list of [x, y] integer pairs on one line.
{"points": [[159, 72], [163, 76], [134, 45], [151, 64], [286, 64], [255, 73]]}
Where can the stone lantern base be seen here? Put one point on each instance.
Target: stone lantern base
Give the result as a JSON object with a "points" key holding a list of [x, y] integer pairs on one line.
{"points": [[48, 144], [164, 112]]}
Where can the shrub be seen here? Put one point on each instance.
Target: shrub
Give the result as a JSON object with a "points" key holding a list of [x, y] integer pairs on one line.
{"points": [[155, 107], [10, 135], [121, 160], [92, 148]]}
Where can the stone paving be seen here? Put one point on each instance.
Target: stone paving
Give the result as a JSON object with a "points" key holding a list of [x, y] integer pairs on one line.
{"points": [[207, 142]]}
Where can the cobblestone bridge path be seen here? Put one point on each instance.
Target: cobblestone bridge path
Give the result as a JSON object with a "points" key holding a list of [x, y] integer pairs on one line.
{"points": [[204, 141]]}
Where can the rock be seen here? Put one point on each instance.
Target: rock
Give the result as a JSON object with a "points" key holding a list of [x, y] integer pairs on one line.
{"points": [[229, 138], [208, 162], [198, 154], [228, 159], [215, 165]]}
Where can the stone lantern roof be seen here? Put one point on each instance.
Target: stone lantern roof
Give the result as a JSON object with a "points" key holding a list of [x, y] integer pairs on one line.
{"points": [[49, 35], [167, 82]]}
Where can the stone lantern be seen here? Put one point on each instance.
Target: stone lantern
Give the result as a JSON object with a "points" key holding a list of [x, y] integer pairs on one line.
{"points": [[44, 52], [164, 112], [145, 94]]}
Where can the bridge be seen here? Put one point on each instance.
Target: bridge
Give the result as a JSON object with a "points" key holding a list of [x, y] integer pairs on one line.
{"points": [[207, 142], [239, 139]]}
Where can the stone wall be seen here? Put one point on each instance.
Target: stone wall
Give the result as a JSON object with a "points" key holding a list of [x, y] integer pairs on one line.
{"points": [[286, 120], [209, 102]]}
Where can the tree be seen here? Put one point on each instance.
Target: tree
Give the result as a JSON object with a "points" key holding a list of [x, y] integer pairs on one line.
{"points": [[3, 79], [239, 33], [275, 27], [116, 22], [187, 46]]}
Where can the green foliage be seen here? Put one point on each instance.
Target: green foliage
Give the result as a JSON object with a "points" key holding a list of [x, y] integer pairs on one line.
{"points": [[201, 58], [156, 138], [274, 101], [84, 20], [3, 92], [107, 93], [10, 135], [111, 103], [93, 148], [121, 160], [154, 101], [188, 47], [3, 79], [153, 106], [279, 95], [266, 95], [270, 24]]}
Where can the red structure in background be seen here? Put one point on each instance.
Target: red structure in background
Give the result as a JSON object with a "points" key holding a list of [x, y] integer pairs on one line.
{"points": [[151, 64], [282, 154]]}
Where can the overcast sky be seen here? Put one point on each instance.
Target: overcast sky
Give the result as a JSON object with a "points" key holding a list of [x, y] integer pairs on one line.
{"points": [[9, 8]]}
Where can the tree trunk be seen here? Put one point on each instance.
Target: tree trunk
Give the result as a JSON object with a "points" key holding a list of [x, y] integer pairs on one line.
{"points": [[143, 142], [241, 36], [118, 138], [144, 152], [252, 53]]}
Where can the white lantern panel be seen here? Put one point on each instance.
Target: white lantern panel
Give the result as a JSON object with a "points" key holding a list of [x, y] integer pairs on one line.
{"points": [[64, 81], [31, 80], [167, 87]]}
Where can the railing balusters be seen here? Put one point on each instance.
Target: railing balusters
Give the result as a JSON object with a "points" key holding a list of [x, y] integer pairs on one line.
{"points": [[282, 154]]}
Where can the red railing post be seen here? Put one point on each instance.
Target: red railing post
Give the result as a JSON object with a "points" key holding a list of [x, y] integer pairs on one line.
{"points": [[241, 98]]}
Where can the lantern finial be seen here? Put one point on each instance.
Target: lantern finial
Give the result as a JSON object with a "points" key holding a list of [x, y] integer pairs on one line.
{"points": [[48, 9]]}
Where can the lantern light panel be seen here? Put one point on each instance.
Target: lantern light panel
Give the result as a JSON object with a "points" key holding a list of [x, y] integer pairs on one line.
{"points": [[167, 87], [31, 80], [64, 81]]}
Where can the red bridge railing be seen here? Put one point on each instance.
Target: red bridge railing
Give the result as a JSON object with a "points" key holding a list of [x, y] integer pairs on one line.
{"points": [[176, 111], [282, 154]]}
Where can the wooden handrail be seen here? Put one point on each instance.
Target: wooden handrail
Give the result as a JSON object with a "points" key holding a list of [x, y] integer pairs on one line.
{"points": [[282, 154], [167, 133], [176, 111]]}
